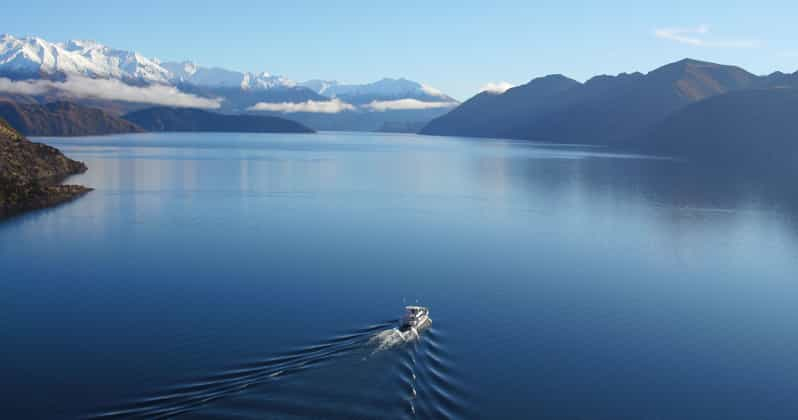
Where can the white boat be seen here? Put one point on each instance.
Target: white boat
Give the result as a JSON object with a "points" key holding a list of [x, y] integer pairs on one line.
{"points": [[416, 319]]}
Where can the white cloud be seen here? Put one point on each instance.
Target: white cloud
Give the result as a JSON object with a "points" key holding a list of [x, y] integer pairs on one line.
{"points": [[110, 89], [497, 87], [697, 37], [406, 104], [332, 106], [429, 90], [22, 87]]}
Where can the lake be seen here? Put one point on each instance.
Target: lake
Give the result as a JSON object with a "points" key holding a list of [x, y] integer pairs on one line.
{"points": [[260, 276]]}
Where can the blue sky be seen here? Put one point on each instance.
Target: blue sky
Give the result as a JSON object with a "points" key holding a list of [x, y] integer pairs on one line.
{"points": [[457, 46]]}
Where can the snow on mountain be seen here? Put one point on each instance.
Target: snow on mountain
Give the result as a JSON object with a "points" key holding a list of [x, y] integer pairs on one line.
{"points": [[188, 72], [35, 56], [265, 81], [81, 68], [383, 89], [32, 55], [320, 86]]}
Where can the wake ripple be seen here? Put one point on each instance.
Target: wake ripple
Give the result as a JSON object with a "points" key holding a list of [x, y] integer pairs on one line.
{"points": [[425, 382]]}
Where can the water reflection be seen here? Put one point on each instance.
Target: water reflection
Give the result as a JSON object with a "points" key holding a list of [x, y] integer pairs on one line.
{"points": [[566, 282]]}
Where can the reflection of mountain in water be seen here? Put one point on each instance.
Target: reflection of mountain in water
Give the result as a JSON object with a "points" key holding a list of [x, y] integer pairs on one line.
{"points": [[674, 192]]}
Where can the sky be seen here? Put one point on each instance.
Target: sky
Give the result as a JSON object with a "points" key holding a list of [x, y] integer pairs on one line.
{"points": [[458, 46]]}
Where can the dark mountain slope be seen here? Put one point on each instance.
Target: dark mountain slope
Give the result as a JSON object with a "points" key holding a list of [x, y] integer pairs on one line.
{"points": [[184, 119], [609, 109], [489, 114], [604, 110], [63, 119], [752, 126]]}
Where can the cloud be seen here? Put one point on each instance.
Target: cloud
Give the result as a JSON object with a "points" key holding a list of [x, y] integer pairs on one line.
{"points": [[110, 89], [22, 87], [332, 106], [429, 90], [497, 87], [697, 37], [406, 104]]}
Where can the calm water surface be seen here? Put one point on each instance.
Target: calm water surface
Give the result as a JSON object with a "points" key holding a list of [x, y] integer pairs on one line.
{"points": [[259, 276]]}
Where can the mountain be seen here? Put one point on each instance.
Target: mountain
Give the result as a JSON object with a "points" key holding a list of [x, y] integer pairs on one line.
{"points": [[30, 174], [382, 90], [238, 100], [488, 113], [189, 73], [603, 110], [32, 56], [33, 70], [750, 126], [186, 119], [607, 110], [63, 119]]}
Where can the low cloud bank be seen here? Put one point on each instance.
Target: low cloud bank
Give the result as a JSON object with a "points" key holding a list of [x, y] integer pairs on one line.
{"points": [[406, 104], [110, 89], [497, 87], [332, 106]]}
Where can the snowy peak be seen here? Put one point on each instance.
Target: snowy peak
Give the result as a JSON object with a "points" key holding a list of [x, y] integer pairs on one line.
{"points": [[384, 89], [87, 58], [189, 72], [265, 81], [34, 56], [320, 86]]}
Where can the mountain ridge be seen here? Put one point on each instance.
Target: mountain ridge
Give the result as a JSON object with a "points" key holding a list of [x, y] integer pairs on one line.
{"points": [[63, 119], [85, 72], [603, 110]]}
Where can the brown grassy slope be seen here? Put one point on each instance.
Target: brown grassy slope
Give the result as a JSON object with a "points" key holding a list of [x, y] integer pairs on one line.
{"points": [[30, 174]]}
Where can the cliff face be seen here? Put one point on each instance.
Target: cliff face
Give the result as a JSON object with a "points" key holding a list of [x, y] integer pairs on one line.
{"points": [[30, 174], [63, 119]]}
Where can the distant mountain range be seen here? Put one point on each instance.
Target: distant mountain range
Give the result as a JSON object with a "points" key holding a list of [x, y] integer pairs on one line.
{"points": [[689, 106], [603, 110], [382, 90], [34, 70]]}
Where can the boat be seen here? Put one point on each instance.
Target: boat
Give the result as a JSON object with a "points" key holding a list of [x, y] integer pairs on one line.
{"points": [[416, 319]]}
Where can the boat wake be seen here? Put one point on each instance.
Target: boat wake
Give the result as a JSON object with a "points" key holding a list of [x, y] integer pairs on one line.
{"points": [[391, 338], [375, 371]]}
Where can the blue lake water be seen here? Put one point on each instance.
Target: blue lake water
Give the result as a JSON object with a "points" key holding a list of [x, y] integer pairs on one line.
{"points": [[259, 276]]}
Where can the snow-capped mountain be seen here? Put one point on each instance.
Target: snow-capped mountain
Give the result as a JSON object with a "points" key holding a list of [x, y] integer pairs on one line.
{"points": [[188, 72], [381, 90], [320, 86], [35, 56], [32, 56], [35, 70]]}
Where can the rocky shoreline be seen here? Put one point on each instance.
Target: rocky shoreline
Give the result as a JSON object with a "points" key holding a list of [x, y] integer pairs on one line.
{"points": [[31, 174]]}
